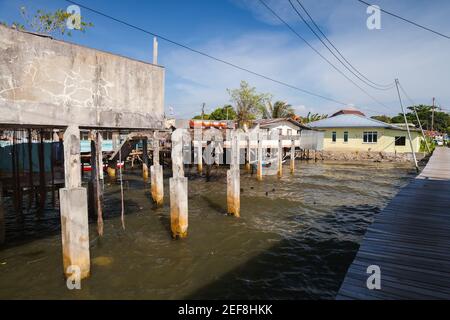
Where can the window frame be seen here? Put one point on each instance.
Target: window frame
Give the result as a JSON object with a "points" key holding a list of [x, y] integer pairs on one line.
{"points": [[403, 138], [371, 137], [333, 136], [345, 136]]}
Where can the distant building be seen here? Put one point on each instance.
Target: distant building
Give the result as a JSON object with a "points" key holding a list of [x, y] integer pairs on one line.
{"points": [[351, 130], [284, 126]]}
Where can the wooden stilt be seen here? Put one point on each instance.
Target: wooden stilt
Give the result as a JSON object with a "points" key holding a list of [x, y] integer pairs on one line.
{"points": [[178, 188], [199, 150], [73, 206], [144, 159], [30, 169], [42, 177], [52, 168], [96, 154], [2, 217], [292, 156]]}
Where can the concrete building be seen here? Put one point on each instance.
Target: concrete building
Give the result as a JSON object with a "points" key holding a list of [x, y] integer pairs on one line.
{"points": [[352, 131]]}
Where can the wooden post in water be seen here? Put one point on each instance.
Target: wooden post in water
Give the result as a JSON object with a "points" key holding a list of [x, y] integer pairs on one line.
{"points": [[233, 177], [292, 156], [280, 157], [97, 156], [73, 207], [260, 156], [30, 169], [144, 159], [2, 217], [178, 188], [156, 175], [42, 178], [248, 151]]}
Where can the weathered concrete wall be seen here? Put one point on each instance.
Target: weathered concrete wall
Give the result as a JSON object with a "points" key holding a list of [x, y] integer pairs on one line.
{"points": [[50, 82]]}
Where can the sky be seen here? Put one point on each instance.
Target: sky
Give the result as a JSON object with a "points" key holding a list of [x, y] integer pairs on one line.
{"points": [[245, 33]]}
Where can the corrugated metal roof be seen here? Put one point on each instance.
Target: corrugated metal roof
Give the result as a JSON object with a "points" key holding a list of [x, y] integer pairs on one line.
{"points": [[352, 121], [266, 122]]}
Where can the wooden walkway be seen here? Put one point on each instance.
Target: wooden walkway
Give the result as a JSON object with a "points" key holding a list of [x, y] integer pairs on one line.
{"points": [[409, 240]]}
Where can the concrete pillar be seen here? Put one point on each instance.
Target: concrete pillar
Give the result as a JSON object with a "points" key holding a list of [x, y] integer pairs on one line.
{"points": [[156, 175], [260, 157], [2, 217], [292, 156], [178, 188], [144, 160], [74, 211], [247, 163], [233, 178], [199, 149], [280, 157]]}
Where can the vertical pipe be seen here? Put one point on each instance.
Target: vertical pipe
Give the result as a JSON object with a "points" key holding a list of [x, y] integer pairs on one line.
{"points": [[280, 157]]}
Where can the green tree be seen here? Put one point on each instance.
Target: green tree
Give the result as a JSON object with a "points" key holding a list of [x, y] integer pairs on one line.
{"points": [[382, 118], [279, 109], [248, 102], [54, 22], [223, 113], [425, 113]]}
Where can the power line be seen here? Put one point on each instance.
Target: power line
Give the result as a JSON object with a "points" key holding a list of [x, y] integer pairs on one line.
{"points": [[321, 55], [374, 84], [408, 21], [205, 54]]}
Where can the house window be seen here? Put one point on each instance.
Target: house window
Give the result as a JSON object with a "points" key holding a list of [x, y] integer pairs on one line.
{"points": [[400, 141], [289, 132], [298, 132], [280, 132], [333, 136], [345, 136], [370, 137], [107, 135], [84, 135]]}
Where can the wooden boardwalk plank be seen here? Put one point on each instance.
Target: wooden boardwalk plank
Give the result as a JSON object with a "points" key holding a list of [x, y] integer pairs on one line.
{"points": [[409, 240]]}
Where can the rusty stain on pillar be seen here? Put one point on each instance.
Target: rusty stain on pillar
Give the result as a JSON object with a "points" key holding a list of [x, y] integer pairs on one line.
{"points": [[178, 188], [156, 175], [73, 207], [233, 177]]}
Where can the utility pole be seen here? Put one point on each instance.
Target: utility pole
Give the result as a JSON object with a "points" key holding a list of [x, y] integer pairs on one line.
{"points": [[203, 110], [407, 126], [432, 116]]}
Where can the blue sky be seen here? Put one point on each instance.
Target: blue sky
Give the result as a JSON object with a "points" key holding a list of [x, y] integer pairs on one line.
{"points": [[245, 33]]}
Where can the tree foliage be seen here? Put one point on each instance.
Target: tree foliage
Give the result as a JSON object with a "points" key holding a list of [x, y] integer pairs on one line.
{"points": [[311, 117], [248, 102], [226, 112], [279, 109], [54, 22], [382, 118], [425, 113]]}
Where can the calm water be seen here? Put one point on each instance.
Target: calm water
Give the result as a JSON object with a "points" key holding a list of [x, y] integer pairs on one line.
{"points": [[295, 239]]}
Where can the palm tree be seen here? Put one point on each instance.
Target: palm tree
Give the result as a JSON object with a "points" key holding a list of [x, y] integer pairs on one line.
{"points": [[279, 109], [311, 117]]}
